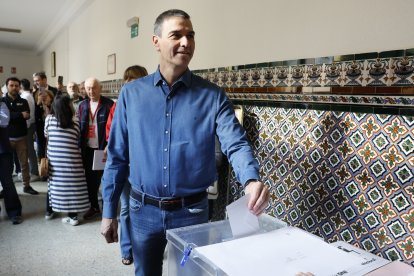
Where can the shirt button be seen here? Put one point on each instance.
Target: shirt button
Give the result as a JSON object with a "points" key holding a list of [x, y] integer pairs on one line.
{"points": [[165, 149], [168, 97], [167, 114], [166, 132], [165, 186], [165, 167]]}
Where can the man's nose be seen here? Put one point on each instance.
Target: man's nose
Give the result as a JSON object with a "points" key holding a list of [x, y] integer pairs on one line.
{"points": [[184, 41]]}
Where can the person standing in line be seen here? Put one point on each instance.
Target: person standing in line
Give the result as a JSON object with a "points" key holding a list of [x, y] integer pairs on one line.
{"points": [[19, 113], [93, 115], [163, 140], [11, 198], [73, 91], [40, 84], [82, 90], [130, 74], [67, 190], [42, 109], [31, 129]]}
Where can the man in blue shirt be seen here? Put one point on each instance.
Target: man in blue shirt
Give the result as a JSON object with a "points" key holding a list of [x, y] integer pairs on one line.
{"points": [[163, 137]]}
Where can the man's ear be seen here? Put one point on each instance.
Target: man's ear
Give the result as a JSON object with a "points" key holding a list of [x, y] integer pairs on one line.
{"points": [[155, 42]]}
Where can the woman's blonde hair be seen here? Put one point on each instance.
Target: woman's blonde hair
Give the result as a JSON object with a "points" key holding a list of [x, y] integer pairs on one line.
{"points": [[134, 72], [49, 94]]}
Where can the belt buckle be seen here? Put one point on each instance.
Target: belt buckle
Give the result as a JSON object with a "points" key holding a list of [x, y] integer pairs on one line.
{"points": [[166, 204]]}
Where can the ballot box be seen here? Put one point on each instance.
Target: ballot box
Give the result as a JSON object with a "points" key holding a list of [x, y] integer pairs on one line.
{"points": [[182, 259]]}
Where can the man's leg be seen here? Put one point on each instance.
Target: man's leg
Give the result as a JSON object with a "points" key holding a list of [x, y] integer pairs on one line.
{"points": [[34, 167], [147, 238], [11, 199], [148, 228], [21, 149], [92, 181]]}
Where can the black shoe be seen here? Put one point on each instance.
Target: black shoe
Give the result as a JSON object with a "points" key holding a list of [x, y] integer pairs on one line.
{"points": [[30, 190], [2, 194], [16, 220], [91, 213], [49, 215]]}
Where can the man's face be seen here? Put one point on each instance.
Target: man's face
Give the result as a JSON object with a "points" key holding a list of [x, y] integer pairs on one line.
{"points": [[39, 82], [82, 89], [176, 43], [13, 88], [93, 89], [72, 89]]}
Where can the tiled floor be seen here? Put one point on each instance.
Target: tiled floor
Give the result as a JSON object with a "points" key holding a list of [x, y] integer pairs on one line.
{"points": [[41, 247]]}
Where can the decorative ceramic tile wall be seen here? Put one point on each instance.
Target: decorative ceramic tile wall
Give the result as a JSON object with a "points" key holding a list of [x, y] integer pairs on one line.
{"points": [[335, 142], [340, 175]]}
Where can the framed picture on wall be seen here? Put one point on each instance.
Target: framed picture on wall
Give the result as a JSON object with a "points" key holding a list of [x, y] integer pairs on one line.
{"points": [[13, 70], [111, 64], [1, 69], [53, 64]]}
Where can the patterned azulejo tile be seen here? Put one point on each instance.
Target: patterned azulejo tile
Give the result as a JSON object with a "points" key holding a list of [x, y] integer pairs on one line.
{"points": [[339, 175]]}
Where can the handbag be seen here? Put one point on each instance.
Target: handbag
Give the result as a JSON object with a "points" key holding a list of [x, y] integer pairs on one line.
{"points": [[44, 167], [44, 163]]}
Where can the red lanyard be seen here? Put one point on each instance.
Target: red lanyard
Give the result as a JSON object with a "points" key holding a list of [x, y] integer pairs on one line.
{"points": [[92, 116]]}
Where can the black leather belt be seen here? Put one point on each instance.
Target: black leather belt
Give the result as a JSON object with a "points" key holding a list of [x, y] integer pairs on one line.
{"points": [[168, 204]]}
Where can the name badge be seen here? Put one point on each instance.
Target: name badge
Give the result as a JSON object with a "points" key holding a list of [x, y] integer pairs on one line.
{"points": [[91, 131]]}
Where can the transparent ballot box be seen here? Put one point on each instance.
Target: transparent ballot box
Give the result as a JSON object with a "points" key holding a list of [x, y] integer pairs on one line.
{"points": [[182, 260]]}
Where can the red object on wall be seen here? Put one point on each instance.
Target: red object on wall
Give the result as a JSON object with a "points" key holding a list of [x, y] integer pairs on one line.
{"points": [[1, 69], [13, 70]]}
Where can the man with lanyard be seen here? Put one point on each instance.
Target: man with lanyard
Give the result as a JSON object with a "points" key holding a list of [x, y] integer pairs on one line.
{"points": [[163, 137], [93, 114]]}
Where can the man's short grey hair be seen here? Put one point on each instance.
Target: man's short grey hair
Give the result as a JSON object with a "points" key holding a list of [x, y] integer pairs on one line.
{"points": [[165, 15], [41, 75]]}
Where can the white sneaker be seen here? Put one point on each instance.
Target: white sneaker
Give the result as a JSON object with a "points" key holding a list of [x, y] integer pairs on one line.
{"points": [[19, 176], [71, 221]]}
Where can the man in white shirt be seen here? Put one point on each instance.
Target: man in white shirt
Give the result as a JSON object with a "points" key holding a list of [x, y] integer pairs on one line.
{"points": [[31, 129]]}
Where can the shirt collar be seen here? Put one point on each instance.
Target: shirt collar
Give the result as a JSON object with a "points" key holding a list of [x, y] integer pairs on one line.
{"points": [[185, 78]]}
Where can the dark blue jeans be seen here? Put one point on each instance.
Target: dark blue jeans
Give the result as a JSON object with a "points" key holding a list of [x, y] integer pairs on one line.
{"points": [[148, 232], [11, 199]]}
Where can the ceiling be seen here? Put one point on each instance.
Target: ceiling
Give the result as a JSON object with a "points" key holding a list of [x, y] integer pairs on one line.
{"points": [[39, 21]]}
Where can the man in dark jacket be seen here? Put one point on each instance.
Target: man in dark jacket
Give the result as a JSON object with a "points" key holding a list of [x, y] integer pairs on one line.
{"points": [[40, 82], [11, 199], [19, 113], [93, 114]]}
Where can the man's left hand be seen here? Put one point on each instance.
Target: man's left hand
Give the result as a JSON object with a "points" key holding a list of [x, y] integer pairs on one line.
{"points": [[259, 197]]}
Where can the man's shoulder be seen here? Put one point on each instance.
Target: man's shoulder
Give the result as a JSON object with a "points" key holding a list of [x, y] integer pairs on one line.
{"points": [[53, 89], [199, 81], [106, 100], [26, 95]]}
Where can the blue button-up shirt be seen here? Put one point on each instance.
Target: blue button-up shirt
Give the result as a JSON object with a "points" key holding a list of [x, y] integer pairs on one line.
{"points": [[163, 138]]}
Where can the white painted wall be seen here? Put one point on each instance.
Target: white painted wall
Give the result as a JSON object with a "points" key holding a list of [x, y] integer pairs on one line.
{"points": [[26, 64], [231, 32]]}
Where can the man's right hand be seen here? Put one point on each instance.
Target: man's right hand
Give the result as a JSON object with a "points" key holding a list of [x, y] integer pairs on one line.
{"points": [[26, 115], [109, 229]]}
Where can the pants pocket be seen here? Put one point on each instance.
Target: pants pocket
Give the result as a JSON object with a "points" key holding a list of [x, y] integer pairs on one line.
{"points": [[134, 205], [198, 207]]}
